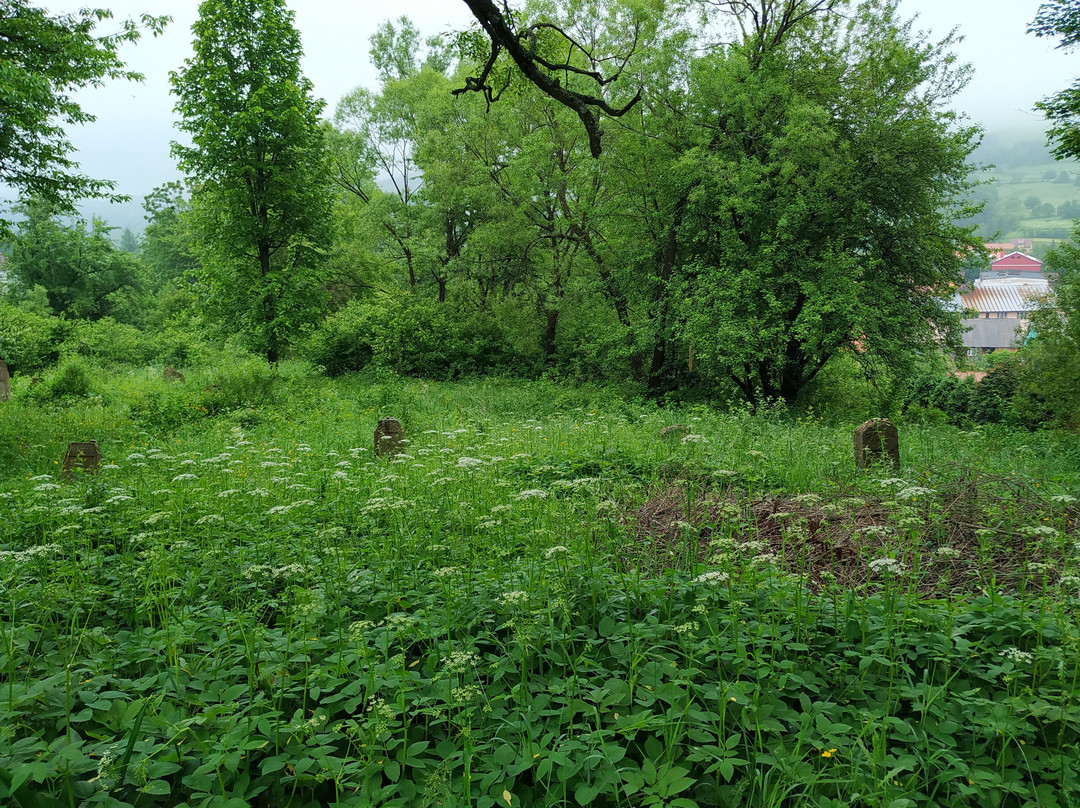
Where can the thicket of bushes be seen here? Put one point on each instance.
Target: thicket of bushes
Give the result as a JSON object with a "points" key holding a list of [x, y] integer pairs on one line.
{"points": [[414, 338], [424, 339]]}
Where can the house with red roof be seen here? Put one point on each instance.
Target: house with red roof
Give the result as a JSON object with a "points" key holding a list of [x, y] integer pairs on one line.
{"points": [[1014, 265], [1000, 303]]}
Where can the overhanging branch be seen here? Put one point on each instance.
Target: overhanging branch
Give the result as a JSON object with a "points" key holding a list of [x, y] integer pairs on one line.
{"points": [[522, 48]]}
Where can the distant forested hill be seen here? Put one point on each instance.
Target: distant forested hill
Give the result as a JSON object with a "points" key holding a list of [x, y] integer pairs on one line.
{"points": [[1028, 193]]}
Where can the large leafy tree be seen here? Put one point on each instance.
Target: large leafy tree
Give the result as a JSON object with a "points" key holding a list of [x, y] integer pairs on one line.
{"points": [[1061, 19], [44, 58], [822, 196], [168, 247], [257, 166], [80, 270]]}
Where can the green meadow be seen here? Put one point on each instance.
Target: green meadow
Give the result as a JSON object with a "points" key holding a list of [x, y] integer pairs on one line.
{"points": [[541, 602]]}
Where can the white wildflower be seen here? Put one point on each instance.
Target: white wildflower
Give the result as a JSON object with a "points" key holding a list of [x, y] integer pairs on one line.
{"points": [[514, 598], [887, 564], [712, 578], [118, 498], [30, 553], [459, 662], [469, 462], [1040, 530], [210, 518], [1017, 656], [286, 508], [556, 551], [47, 487], [181, 477], [692, 438], [532, 493]]}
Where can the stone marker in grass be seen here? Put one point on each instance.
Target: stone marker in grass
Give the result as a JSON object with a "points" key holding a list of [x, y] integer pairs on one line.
{"points": [[171, 374], [5, 382], [83, 455], [389, 437], [877, 441]]}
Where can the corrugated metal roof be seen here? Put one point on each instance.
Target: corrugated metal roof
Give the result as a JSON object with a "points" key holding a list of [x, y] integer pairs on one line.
{"points": [[1001, 296], [996, 333]]}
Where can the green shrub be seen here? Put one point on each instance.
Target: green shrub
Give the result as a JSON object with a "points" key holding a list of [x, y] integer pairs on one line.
{"points": [[241, 383], [70, 379], [991, 400], [345, 341], [414, 338], [109, 342], [28, 341]]}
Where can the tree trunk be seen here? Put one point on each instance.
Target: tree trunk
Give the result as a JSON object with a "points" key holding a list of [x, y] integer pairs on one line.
{"points": [[269, 307], [662, 300], [547, 343]]}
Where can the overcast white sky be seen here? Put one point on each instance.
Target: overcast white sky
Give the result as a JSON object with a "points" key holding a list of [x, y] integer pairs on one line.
{"points": [[129, 143]]}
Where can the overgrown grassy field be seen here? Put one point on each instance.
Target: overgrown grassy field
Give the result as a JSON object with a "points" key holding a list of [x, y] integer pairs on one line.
{"points": [[542, 602]]}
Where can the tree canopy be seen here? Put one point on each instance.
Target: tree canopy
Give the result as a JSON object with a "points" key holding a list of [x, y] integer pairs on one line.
{"points": [[44, 59], [257, 167], [1061, 19]]}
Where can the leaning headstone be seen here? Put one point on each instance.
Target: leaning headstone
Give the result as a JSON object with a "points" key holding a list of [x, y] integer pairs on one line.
{"points": [[389, 437], [674, 432], [172, 374], [5, 382], [83, 455], [877, 441]]}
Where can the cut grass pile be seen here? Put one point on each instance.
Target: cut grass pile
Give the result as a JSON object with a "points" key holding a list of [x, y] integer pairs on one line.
{"points": [[540, 603]]}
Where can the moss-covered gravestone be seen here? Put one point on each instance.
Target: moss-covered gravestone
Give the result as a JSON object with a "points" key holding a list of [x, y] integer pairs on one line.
{"points": [[877, 441], [84, 455], [171, 374], [389, 437], [5, 382]]}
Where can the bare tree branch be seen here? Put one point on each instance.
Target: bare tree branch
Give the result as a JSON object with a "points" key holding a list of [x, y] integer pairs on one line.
{"points": [[522, 48]]}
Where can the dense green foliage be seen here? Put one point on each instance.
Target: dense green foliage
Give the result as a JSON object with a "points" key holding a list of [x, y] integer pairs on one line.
{"points": [[1050, 387], [1061, 19], [46, 59], [82, 272], [672, 590], [257, 164], [245, 607], [822, 202]]}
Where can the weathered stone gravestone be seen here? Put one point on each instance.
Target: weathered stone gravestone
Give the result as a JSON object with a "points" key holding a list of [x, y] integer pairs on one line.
{"points": [[5, 382], [83, 455], [877, 441], [172, 374], [389, 437], [674, 432]]}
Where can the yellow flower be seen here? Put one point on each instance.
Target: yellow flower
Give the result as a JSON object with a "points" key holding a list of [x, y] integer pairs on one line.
{"points": [[506, 795], [827, 752]]}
